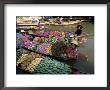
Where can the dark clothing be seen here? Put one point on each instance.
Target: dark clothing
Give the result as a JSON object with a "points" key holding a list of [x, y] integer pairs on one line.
{"points": [[78, 32]]}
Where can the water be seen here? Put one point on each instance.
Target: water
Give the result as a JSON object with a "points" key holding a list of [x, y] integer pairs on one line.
{"points": [[88, 49]]}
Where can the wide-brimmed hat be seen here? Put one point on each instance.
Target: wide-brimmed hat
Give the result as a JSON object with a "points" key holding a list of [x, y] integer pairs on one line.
{"points": [[75, 41], [22, 31]]}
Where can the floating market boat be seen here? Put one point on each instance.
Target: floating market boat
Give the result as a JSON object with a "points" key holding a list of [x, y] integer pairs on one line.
{"points": [[45, 56], [57, 48]]}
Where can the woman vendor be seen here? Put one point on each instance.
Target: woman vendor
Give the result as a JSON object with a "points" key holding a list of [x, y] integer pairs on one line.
{"points": [[78, 32]]}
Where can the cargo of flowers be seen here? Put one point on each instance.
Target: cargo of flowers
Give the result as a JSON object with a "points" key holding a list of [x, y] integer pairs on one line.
{"points": [[57, 46], [57, 49], [36, 63]]}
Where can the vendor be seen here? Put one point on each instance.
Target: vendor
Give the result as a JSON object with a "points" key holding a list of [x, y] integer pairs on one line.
{"points": [[61, 21], [78, 32]]}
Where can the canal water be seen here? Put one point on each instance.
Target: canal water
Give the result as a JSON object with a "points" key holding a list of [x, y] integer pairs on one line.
{"points": [[88, 49]]}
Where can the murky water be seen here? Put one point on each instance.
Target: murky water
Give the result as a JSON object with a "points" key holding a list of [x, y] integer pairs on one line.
{"points": [[87, 48]]}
